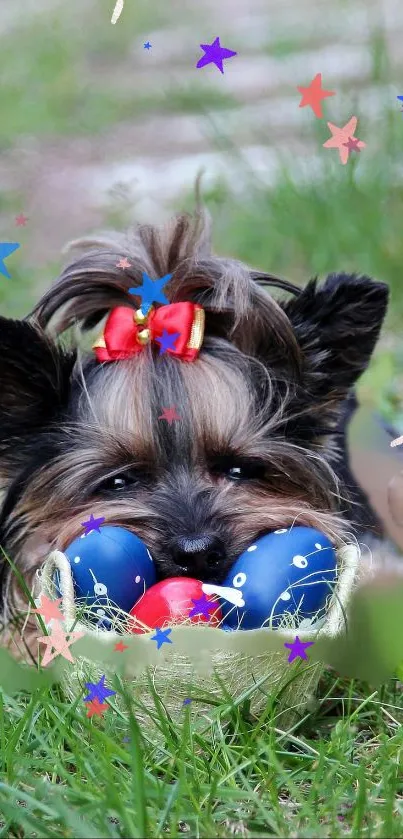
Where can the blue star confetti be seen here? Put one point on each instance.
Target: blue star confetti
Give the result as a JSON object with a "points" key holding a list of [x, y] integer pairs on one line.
{"points": [[6, 249], [186, 702], [161, 637], [147, 46], [167, 341], [151, 292], [98, 690]]}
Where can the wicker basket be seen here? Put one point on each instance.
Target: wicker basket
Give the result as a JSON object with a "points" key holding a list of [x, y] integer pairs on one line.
{"points": [[204, 662]]}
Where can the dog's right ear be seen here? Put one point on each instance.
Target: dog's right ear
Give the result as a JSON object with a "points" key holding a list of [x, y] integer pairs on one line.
{"points": [[34, 386]]}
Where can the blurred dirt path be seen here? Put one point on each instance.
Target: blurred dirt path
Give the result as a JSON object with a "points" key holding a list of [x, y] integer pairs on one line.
{"points": [[68, 183]]}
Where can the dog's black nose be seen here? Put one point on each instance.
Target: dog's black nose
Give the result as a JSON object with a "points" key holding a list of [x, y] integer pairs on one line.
{"points": [[199, 554]]}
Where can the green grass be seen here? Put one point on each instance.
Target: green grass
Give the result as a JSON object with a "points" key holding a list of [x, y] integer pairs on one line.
{"points": [[70, 75], [339, 774]]}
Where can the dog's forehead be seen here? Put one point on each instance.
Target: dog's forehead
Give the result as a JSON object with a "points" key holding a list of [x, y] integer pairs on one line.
{"points": [[159, 405]]}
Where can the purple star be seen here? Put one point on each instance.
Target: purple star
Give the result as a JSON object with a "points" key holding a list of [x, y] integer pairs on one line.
{"points": [[92, 524], [202, 607], [298, 649], [214, 54], [98, 690], [186, 702], [167, 340]]}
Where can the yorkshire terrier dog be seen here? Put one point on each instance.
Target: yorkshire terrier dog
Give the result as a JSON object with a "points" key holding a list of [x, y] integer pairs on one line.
{"points": [[263, 389]]}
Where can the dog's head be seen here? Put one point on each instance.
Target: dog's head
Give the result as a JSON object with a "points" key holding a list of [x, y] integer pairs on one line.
{"points": [[256, 444]]}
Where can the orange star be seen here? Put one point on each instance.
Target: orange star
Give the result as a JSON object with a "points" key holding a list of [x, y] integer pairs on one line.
{"points": [[48, 609], [169, 414], [341, 136], [58, 642], [120, 647], [313, 94], [96, 707], [123, 263]]}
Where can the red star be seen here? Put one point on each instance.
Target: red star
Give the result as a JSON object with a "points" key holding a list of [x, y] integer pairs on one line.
{"points": [[313, 94], [21, 220], [58, 642], [120, 647], [169, 414], [96, 707], [48, 609], [341, 136], [352, 144], [123, 263]]}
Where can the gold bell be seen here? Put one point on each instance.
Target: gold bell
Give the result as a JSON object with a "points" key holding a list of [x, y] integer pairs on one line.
{"points": [[139, 316], [99, 343], [144, 336]]}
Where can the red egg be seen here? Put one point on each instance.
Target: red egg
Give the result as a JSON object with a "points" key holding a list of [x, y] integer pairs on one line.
{"points": [[171, 601]]}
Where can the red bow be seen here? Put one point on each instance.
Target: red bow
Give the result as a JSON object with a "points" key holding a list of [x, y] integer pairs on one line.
{"points": [[127, 332]]}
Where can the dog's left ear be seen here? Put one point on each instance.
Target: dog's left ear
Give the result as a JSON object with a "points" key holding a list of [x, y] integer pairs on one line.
{"points": [[34, 387], [336, 326]]}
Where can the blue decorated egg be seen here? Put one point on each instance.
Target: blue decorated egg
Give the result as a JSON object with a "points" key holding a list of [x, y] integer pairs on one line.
{"points": [[110, 567], [290, 570]]}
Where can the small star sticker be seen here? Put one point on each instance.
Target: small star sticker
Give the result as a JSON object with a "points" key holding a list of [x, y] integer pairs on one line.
{"points": [[352, 144], [120, 647], [123, 263], [169, 414], [167, 341], [147, 46], [6, 248], [98, 690], [151, 291], [313, 94], [161, 637], [214, 54], [298, 649], [48, 609], [58, 641], [340, 136], [21, 220], [202, 607], [186, 702], [96, 707], [92, 524]]}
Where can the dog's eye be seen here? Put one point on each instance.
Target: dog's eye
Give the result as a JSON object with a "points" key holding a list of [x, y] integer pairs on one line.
{"points": [[235, 473], [243, 471], [116, 484]]}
